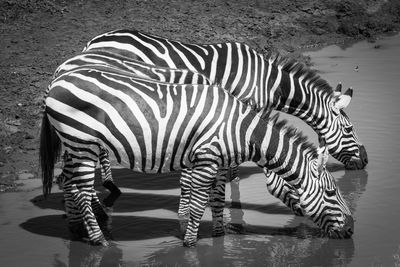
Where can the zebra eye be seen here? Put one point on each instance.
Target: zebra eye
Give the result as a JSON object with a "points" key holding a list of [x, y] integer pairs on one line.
{"points": [[348, 129], [330, 192]]}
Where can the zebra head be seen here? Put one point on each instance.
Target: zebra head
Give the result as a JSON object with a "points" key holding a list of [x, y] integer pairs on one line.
{"points": [[341, 138], [323, 203]]}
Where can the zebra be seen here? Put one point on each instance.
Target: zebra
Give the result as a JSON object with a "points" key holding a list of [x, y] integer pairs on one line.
{"points": [[253, 78], [156, 127], [109, 59], [261, 81]]}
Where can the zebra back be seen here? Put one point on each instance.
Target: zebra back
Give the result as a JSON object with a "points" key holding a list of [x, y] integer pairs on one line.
{"points": [[121, 63]]}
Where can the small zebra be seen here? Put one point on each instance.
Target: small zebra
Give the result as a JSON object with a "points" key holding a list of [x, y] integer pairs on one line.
{"points": [[157, 127], [261, 81]]}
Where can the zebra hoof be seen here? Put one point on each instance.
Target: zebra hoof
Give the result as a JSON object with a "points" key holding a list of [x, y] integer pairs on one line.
{"points": [[297, 210], [218, 232], [183, 222], [234, 228], [104, 243], [190, 243], [100, 242]]}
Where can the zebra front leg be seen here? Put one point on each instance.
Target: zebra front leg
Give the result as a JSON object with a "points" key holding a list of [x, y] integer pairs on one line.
{"points": [[202, 179], [108, 182], [183, 211], [236, 223], [217, 203], [186, 185], [280, 189]]}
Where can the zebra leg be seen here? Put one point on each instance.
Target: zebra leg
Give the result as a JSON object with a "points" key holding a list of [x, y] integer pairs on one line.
{"points": [[186, 185], [98, 209], [65, 175], [108, 182], [81, 192], [203, 176], [235, 225], [103, 215], [183, 211], [217, 203], [283, 191]]}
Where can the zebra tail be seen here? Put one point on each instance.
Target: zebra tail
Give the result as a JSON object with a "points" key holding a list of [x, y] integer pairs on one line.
{"points": [[50, 147]]}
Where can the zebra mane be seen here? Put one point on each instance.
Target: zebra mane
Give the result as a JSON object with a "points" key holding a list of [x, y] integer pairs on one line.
{"points": [[293, 133], [292, 66]]}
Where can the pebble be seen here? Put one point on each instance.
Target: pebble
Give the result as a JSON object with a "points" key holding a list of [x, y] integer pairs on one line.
{"points": [[25, 176], [7, 149]]}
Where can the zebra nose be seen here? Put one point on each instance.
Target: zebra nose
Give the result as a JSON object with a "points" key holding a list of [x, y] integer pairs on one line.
{"points": [[360, 161], [363, 155], [348, 228]]}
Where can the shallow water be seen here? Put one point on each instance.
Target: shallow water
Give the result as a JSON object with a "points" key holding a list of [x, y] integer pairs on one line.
{"points": [[145, 230]]}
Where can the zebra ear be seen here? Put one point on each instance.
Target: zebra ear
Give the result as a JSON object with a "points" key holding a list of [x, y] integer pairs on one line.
{"points": [[338, 90], [267, 172], [322, 141], [344, 100], [323, 156]]}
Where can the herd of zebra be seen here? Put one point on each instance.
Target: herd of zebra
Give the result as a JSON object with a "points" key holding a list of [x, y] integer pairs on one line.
{"points": [[156, 105]]}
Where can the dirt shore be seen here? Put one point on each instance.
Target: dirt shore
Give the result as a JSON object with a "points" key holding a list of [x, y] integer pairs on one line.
{"points": [[37, 36]]}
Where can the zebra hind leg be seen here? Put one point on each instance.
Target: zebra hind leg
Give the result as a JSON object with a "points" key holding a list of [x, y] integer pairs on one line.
{"points": [[107, 180], [103, 217], [80, 193], [98, 208], [203, 176]]}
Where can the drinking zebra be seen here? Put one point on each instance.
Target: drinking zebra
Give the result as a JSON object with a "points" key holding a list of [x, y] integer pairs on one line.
{"points": [[254, 79], [156, 127], [97, 59]]}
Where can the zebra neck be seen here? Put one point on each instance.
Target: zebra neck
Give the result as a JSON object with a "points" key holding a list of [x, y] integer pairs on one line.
{"points": [[282, 151], [304, 99]]}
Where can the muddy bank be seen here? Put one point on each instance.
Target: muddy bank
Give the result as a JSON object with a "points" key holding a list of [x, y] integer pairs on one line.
{"points": [[39, 35]]}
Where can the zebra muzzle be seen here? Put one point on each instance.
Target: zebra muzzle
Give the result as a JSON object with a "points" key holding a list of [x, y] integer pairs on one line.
{"points": [[344, 232]]}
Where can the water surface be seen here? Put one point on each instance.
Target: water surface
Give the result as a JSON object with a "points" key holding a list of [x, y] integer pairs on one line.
{"points": [[145, 230]]}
